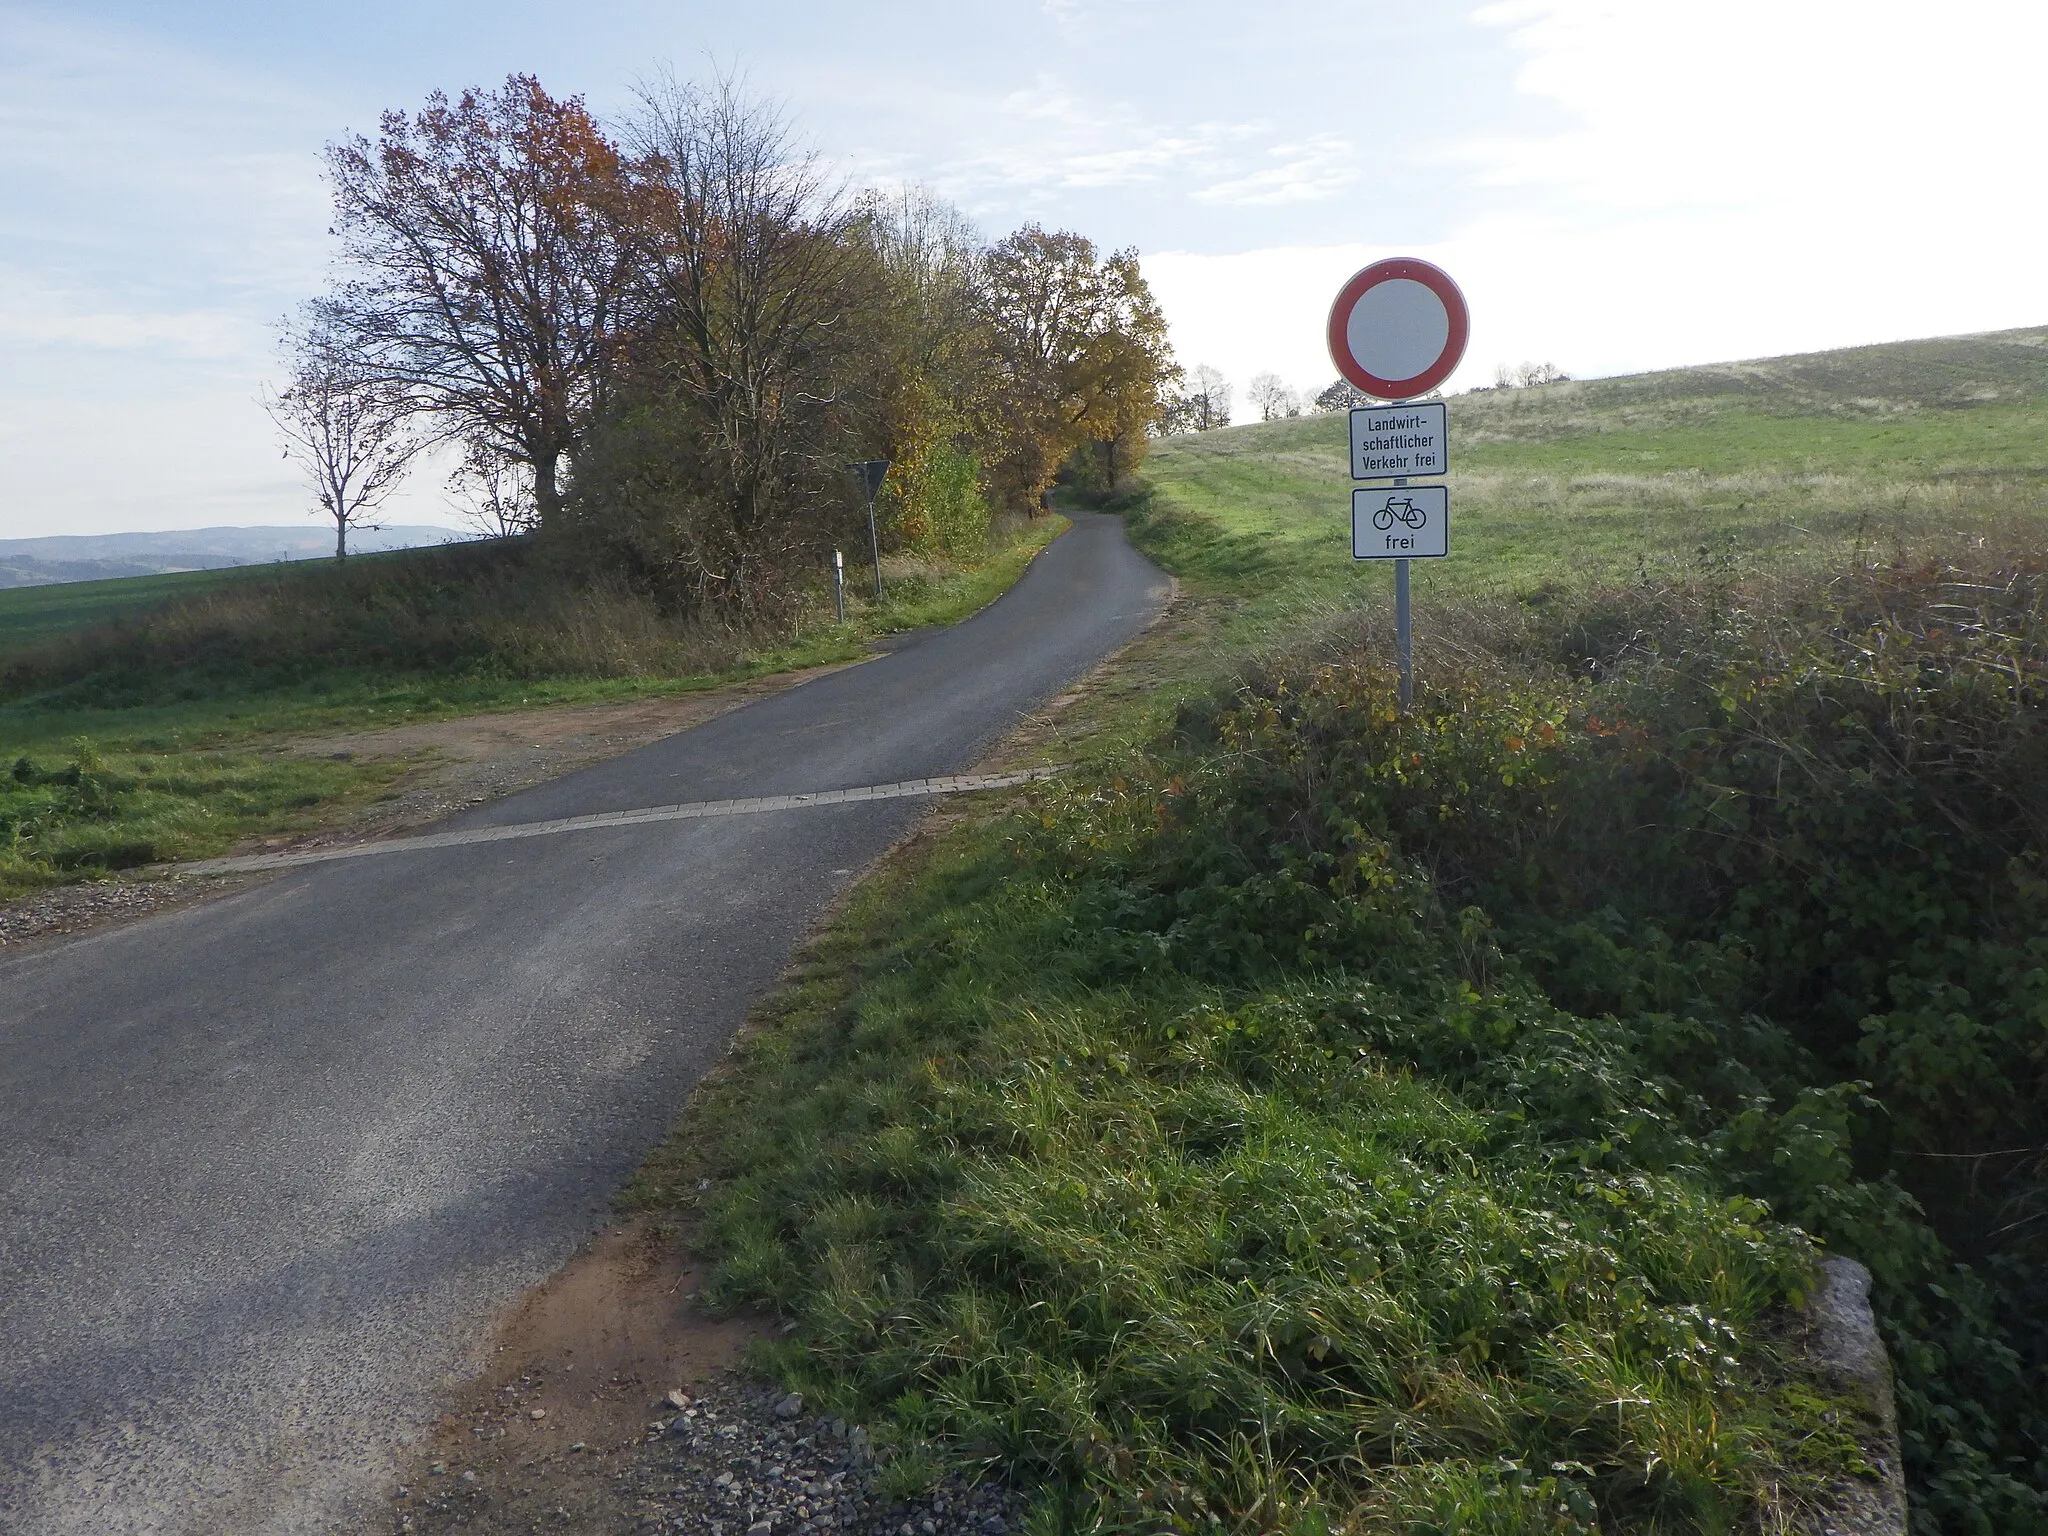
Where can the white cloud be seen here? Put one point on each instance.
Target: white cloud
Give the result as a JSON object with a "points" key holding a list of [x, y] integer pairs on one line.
{"points": [[1733, 179], [1803, 106], [34, 314], [1044, 136], [1307, 171]]}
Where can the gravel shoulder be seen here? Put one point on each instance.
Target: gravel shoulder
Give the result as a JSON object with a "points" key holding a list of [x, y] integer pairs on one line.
{"points": [[612, 1404]]}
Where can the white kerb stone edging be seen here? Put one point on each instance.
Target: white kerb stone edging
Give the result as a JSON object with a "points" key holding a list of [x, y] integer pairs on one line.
{"points": [[698, 810]]}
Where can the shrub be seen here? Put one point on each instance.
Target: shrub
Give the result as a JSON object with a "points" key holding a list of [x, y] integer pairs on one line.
{"points": [[1337, 1118], [1793, 837]]}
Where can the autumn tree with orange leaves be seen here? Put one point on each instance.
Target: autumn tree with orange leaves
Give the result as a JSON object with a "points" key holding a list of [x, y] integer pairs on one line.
{"points": [[486, 273], [659, 350], [1083, 354]]}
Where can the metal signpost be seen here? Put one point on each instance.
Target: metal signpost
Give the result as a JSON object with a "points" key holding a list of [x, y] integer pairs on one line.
{"points": [[1398, 330], [870, 472]]}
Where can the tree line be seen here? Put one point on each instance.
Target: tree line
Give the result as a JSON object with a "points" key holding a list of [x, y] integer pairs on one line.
{"points": [[1204, 401], [656, 344]]}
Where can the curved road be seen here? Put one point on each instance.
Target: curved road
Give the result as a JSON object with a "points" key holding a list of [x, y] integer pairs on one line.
{"points": [[269, 1165]]}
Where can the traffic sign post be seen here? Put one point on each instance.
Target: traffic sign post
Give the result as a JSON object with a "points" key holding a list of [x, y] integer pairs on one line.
{"points": [[870, 472], [1398, 330]]}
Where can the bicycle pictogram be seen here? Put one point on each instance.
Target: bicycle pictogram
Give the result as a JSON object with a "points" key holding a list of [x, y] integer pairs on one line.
{"points": [[1399, 509]]}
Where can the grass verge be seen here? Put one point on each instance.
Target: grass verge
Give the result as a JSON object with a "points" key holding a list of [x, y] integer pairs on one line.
{"points": [[165, 736]]}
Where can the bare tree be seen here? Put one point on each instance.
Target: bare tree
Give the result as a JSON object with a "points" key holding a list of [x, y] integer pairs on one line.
{"points": [[1205, 403], [487, 270], [494, 493], [1528, 375], [350, 434], [1274, 399]]}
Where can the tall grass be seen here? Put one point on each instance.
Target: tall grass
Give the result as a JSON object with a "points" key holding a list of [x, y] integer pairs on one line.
{"points": [[1334, 1119], [497, 609]]}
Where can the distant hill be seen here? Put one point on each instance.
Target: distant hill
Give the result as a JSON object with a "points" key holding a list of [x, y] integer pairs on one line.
{"points": [[99, 556], [1893, 381]]}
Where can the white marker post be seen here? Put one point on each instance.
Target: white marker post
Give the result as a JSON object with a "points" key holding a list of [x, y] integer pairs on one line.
{"points": [[1397, 330]]}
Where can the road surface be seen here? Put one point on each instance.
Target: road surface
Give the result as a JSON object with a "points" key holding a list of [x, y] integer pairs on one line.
{"points": [[268, 1166]]}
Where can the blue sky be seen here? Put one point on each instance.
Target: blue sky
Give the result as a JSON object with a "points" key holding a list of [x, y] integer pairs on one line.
{"points": [[1618, 184]]}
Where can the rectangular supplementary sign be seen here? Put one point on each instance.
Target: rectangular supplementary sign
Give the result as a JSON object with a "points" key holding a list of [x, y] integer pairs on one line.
{"points": [[1392, 441], [1410, 522]]}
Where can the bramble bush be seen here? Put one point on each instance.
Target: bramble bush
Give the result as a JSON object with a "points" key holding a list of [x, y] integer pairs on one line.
{"points": [[1791, 839], [1335, 1118]]}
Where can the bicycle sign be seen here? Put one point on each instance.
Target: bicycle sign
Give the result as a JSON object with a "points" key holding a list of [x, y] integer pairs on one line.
{"points": [[1402, 510], [1411, 523]]}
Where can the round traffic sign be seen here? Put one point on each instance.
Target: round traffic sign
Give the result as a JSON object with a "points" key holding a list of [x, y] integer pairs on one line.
{"points": [[1398, 328]]}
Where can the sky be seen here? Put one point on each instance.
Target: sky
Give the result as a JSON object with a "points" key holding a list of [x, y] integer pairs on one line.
{"points": [[1617, 185]]}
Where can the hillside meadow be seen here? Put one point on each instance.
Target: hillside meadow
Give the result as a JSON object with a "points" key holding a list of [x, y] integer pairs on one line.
{"points": [[1308, 1117], [1777, 463]]}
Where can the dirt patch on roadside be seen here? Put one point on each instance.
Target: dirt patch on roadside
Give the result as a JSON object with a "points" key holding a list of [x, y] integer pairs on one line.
{"points": [[612, 1331], [611, 1403], [464, 762], [572, 1379]]}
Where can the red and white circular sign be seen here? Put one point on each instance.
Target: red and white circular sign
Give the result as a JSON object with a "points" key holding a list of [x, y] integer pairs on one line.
{"points": [[1398, 328]]}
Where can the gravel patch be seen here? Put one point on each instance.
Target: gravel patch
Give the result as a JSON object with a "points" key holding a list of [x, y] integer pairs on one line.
{"points": [[68, 909], [732, 1458]]}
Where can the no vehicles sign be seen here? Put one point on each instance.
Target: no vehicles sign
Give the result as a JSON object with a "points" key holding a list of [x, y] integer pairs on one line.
{"points": [[1409, 522], [1396, 332], [1398, 328]]}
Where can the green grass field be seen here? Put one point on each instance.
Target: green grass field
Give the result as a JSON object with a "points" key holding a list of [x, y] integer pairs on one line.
{"points": [[1779, 463], [32, 614]]}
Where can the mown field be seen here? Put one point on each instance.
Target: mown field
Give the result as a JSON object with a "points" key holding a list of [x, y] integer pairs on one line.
{"points": [[149, 720], [1306, 1117]]}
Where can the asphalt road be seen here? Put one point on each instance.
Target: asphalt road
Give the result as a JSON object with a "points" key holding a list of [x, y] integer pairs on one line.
{"points": [[268, 1166]]}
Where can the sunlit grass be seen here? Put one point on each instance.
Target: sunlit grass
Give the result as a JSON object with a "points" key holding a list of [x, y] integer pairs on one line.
{"points": [[1291, 1121], [185, 764], [1787, 464]]}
